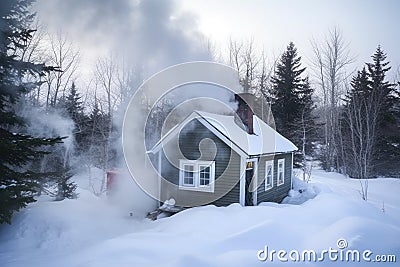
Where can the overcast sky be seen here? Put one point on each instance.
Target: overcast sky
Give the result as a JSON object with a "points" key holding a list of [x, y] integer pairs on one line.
{"points": [[168, 32], [364, 23]]}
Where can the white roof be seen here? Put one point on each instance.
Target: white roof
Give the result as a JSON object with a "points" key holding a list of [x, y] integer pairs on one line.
{"points": [[265, 139]]}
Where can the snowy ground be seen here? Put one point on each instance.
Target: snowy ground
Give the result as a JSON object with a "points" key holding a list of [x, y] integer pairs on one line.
{"points": [[92, 232]]}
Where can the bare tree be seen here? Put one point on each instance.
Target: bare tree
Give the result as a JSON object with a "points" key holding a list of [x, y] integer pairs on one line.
{"points": [[360, 116], [265, 73], [128, 79], [213, 51], [106, 77], [254, 67], [112, 84], [245, 59], [107, 84], [330, 63], [65, 56], [306, 126], [34, 49]]}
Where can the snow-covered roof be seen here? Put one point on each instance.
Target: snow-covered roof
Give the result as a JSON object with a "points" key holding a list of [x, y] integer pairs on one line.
{"points": [[265, 139]]}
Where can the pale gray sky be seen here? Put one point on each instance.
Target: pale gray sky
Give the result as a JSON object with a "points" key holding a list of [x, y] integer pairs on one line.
{"points": [[272, 24], [162, 33]]}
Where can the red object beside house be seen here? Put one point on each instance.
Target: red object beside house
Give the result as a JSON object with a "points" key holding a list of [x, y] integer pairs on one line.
{"points": [[112, 176]]}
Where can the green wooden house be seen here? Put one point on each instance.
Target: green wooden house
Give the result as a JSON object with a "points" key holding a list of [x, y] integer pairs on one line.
{"points": [[223, 159]]}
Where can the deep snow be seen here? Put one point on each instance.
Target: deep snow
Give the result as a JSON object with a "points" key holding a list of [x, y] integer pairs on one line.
{"points": [[90, 231]]}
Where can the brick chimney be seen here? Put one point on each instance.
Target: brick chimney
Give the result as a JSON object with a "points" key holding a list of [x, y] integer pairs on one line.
{"points": [[245, 102]]}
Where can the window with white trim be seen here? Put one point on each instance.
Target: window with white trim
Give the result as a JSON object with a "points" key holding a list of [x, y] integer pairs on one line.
{"points": [[281, 171], [269, 174], [188, 175], [197, 175], [204, 175]]}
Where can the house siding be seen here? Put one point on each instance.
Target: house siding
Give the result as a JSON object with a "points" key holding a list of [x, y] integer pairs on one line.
{"points": [[276, 193], [196, 142]]}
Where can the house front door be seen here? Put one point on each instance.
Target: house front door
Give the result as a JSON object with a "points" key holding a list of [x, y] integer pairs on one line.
{"points": [[248, 192]]}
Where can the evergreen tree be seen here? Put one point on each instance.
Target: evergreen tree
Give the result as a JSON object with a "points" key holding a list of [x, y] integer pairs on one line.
{"points": [[73, 105], [292, 103], [386, 99], [17, 186], [97, 137], [65, 186], [372, 121], [75, 110]]}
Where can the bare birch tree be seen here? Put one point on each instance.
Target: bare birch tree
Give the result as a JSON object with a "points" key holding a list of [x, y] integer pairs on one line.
{"points": [[330, 63], [106, 79], [361, 117]]}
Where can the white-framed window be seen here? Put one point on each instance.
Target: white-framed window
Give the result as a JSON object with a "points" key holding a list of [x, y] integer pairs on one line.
{"points": [[188, 175], [204, 175], [269, 174], [281, 171], [197, 175]]}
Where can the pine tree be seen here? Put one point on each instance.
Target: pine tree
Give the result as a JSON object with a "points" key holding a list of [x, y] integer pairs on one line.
{"points": [[74, 109], [292, 103], [386, 99], [65, 186], [73, 105], [17, 186], [372, 121]]}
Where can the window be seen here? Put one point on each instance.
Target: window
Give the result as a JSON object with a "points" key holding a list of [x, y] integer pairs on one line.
{"points": [[188, 175], [197, 175], [281, 171], [205, 175], [269, 174]]}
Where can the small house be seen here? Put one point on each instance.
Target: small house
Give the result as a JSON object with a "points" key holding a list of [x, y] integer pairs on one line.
{"points": [[223, 159]]}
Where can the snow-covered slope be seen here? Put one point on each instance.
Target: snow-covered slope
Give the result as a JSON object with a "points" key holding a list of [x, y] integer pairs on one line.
{"points": [[92, 232]]}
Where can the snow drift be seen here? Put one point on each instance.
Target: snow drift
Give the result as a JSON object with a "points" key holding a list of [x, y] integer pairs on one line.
{"points": [[92, 232]]}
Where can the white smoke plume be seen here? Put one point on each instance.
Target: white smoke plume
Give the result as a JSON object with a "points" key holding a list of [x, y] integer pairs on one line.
{"points": [[151, 33]]}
